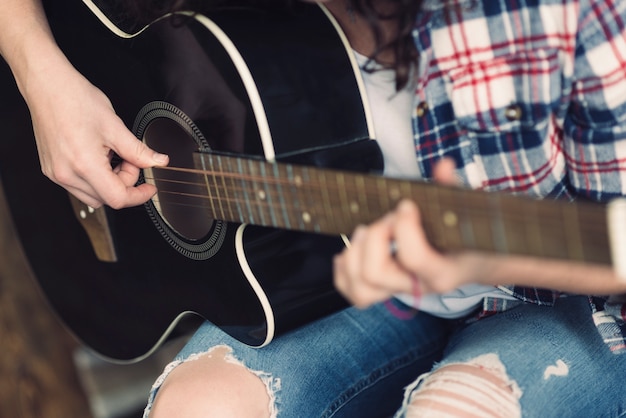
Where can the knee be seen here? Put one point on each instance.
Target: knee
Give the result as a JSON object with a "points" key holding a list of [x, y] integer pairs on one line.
{"points": [[212, 386], [478, 388]]}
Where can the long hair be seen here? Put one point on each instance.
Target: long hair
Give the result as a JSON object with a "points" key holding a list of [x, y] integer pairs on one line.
{"points": [[403, 12]]}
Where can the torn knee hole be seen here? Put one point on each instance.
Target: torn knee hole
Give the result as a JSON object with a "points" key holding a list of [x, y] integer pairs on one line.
{"points": [[214, 383], [479, 387]]}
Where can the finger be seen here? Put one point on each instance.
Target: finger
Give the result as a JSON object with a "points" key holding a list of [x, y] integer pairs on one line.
{"points": [[347, 268], [116, 194], [357, 293], [127, 173], [416, 254], [117, 187], [368, 273], [134, 151], [411, 241], [380, 267], [444, 172], [88, 198]]}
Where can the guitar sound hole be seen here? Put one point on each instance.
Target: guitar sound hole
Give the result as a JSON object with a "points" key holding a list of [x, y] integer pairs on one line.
{"points": [[178, 210], [179, 199]]}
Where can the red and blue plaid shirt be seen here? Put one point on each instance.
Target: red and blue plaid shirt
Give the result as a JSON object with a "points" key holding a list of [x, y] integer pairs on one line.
{"points": [[529, 97]]}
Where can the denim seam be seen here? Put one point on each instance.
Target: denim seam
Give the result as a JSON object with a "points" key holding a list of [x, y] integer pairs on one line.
{"points": [[376, 375]]}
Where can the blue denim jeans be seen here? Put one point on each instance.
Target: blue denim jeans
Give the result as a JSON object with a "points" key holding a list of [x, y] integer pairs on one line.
{"points": [[553, 355], [356, 363]]}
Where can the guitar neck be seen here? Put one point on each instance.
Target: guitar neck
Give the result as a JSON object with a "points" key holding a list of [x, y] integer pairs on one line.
{"points": [[334, 202]]}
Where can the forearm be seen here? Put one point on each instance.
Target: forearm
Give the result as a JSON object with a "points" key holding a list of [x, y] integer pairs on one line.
{"points": [[560, 275], [26, 42], [367, 272]]}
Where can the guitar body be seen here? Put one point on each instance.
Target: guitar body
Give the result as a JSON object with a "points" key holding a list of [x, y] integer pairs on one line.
{"points": [[288, 91]]}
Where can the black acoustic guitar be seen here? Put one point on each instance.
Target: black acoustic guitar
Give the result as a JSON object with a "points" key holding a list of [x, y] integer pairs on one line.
{"points": [[272, 161]]}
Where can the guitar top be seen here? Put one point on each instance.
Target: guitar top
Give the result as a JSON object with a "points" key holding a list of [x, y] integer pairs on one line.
{"points": [[230, 82], [271, 160]]}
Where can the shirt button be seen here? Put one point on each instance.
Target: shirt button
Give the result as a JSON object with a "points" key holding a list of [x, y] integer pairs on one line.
{"points": [[513, 112], [422, 108]]}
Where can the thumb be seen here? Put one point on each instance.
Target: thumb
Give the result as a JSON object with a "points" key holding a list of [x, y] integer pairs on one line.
{"points": [[137, 153]]}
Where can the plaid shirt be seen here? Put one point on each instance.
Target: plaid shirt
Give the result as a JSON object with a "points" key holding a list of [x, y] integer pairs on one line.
{"points": [[529, 97]]}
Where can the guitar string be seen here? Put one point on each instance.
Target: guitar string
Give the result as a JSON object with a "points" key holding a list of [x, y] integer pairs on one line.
{"points": [[252, 179], [264, 205]]}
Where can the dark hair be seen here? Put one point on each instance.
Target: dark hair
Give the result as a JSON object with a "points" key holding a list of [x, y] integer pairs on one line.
{"points": [[403, 12]]}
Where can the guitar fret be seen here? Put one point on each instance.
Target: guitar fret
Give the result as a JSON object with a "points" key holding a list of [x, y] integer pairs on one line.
{"points": [[343, 197], [225, 198], [357, 207], [208, 187], [551, 230], [481, 233], [236, 192], [219, 197], [305, 214], [294, 181], [572, 234], [252, 170], [328, 207], [437, 233], [533, 231], [279, 190], [468, 235], [328, 201], [449, 218], [383, 190], [498, 230], [361, 193], [530, 228], [267, 196], [511, 236], [244, 188], [312, 213], [483, 237]]}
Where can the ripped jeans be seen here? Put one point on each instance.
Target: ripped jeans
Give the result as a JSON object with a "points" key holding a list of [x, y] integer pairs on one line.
{"points": [[551, 362], [358, 363]]}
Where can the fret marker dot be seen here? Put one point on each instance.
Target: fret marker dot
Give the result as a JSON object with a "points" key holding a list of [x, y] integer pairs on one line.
{"points": [[450, 219], [83, 214], [354, 207], [261, 194], [298, 181], [306, 217], [394, 194]]}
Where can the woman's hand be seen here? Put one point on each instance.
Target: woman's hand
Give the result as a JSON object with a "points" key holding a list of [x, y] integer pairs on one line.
{"points": [[393, 256], [76, 129], [77, 133], [369, 271]]}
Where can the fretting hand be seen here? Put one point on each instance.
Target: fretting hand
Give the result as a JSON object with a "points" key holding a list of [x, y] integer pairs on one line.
{"points": [[368, 271]]}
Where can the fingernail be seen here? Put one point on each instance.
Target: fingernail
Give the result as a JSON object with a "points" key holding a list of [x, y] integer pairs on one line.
{"points": [[159, 158]]}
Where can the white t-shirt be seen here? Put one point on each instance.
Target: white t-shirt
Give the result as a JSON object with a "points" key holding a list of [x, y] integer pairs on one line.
{"points": [[391, 114]]}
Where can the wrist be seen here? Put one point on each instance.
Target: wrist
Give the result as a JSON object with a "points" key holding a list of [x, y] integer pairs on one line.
{"points": [[40, 67]]}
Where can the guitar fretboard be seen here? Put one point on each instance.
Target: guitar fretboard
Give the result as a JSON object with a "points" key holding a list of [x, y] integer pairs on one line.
{"points": [[334, 202]]}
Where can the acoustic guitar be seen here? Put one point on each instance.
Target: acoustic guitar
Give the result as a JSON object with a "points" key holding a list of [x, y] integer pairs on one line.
{"points": [[273, 161]]}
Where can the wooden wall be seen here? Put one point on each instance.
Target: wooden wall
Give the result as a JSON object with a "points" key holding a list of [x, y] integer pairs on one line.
{"points": [[37, 375]]}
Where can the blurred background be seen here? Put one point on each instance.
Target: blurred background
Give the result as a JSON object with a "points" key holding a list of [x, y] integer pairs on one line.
{"points": [[44, 371]]}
